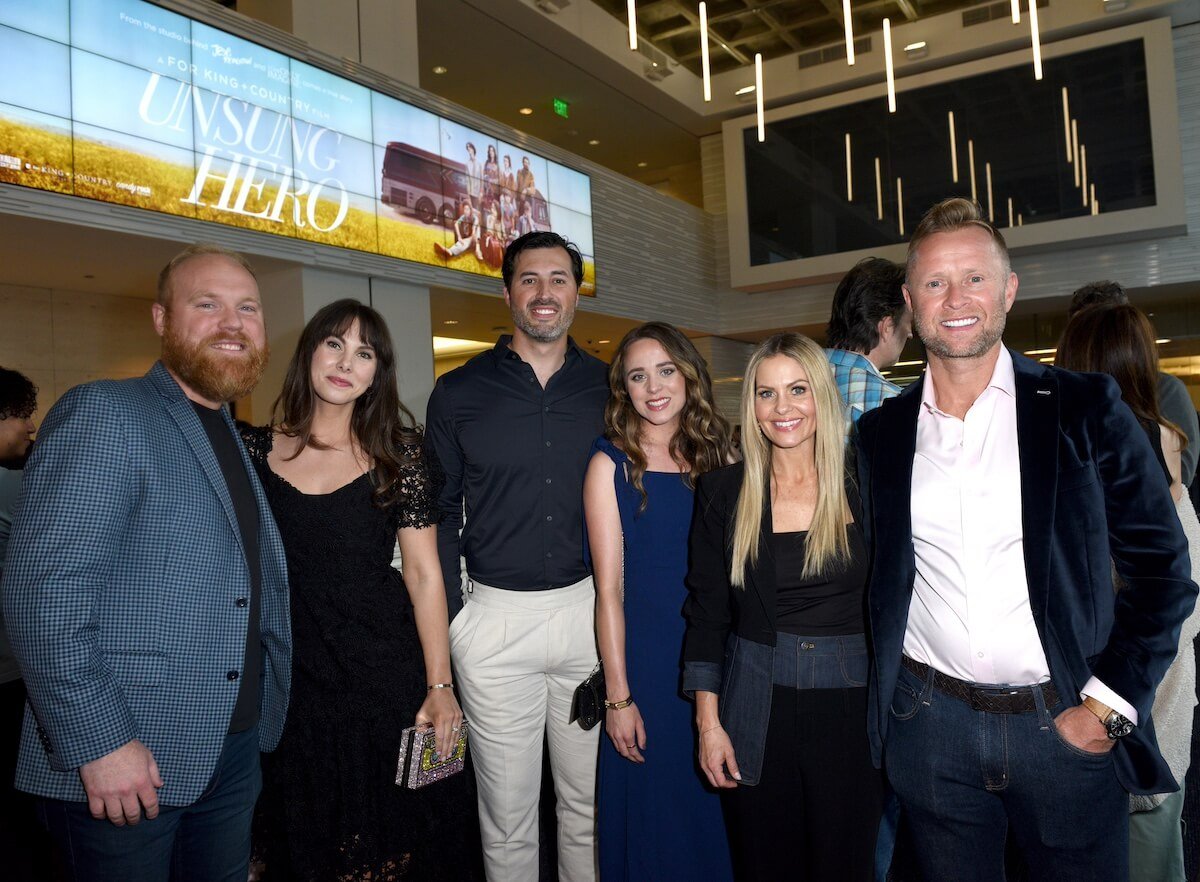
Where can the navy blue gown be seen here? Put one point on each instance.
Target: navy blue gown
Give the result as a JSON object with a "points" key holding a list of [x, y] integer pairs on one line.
{"points": [[658, 820]]}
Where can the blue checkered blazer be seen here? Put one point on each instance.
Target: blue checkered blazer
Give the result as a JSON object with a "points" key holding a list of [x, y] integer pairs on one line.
{"points": [[123, 569]]}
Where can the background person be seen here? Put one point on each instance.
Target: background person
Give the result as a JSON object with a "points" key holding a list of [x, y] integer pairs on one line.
{"points": [[1119, 341], [775, 652], [145, 593], [869, 325], [657, 820], [346, 477]]}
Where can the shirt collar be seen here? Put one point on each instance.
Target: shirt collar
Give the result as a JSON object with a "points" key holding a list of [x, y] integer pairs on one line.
{"points": [[1003, 378], [503, 350]]}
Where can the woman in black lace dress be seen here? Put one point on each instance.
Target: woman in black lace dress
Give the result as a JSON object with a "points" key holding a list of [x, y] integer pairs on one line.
{"points": [[345, 474]]}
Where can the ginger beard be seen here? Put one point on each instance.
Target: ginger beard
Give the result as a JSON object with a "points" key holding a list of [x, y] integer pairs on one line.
{"points": [[218, 376]]}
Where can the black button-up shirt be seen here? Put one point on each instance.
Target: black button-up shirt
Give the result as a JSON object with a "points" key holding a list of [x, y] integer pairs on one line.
{"points": [[516, 453]]}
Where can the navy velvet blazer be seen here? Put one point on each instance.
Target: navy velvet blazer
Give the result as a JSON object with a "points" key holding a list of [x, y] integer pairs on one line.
{"points": [[1091, 492]]}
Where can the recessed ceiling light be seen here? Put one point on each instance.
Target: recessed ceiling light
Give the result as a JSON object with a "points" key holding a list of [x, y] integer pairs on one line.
{"points": [[525, 111], [642, 164], [439, 69], [450, 322], [604, 341], [745, 90], [593, 142]]}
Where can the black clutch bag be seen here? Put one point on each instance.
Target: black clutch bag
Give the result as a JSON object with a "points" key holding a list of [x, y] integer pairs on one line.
{"points": [[587, 707]]}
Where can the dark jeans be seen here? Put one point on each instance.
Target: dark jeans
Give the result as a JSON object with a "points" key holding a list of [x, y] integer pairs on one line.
{"points": [[814, 814], [207, 841], [965, 778]]}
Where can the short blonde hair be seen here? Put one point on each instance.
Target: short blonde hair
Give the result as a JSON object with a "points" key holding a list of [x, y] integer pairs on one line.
{"points": [[951, 215]]}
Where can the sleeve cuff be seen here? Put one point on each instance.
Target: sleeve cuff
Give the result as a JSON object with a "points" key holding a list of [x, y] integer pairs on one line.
{"points": [[1104, 695], [701, 677]]}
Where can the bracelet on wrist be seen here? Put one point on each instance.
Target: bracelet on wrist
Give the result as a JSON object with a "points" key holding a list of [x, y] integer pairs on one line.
{"points": [[618, 705], [433, 686]]}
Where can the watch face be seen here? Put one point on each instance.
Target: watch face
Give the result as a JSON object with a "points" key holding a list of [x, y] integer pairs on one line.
{"points": [[1118, 726]]}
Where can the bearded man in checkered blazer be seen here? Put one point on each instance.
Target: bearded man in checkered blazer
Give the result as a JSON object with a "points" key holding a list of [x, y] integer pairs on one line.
{"points": [[145, 593]]}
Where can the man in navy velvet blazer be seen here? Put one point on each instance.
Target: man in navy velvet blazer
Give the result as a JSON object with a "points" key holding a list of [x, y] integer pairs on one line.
{"points": [[1012, 686]]}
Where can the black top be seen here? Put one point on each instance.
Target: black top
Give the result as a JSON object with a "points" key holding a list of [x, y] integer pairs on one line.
{"points": [[229, 458], [516, 453], [826, 605]]}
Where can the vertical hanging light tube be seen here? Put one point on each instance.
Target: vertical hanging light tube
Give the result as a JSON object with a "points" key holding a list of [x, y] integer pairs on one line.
{"points": [[849, 32], [887, 60], [971, 163], [1075, 146], [878, 192], [1067, 125], [758, 96], [953, 148], [900, 204], [1083, 173], [1095, 204], [1020, 220], [1010, 213], [632, 25], [1016, 11], [987, 168], [1036, 36], [849, 178], [704, 51]]}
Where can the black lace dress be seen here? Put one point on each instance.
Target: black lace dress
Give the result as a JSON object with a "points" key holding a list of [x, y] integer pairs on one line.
{"points": [[331, 810]]}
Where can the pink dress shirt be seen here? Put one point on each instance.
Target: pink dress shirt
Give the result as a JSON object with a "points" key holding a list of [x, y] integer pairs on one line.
{"points": [[970, 615]]}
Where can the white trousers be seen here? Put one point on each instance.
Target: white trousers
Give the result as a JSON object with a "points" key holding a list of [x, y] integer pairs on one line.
{"points": [[518, 656]]}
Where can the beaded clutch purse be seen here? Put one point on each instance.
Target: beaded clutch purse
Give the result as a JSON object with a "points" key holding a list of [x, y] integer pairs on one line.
{"points": [[419, 763]]}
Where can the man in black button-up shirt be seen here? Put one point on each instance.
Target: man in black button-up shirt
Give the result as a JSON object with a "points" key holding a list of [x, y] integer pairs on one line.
{"points": [[513, 429]]}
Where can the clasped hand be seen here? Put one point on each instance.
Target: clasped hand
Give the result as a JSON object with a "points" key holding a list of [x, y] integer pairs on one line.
{"points": [[442, 710]]}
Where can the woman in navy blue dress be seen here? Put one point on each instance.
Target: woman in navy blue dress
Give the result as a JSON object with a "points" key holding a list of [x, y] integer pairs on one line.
{"points": [[657, 818]]}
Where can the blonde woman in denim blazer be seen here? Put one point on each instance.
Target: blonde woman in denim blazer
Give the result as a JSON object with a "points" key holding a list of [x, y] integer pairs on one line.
{"points": [[774, 652]]}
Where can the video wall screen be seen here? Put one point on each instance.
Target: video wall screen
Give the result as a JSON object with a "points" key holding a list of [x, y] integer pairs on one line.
{"points": [[125, 102], [856, 177]]}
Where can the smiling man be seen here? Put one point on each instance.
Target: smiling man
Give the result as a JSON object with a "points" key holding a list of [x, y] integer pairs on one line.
{"points": [[512, 429], [146, 597], [1012, 686]]}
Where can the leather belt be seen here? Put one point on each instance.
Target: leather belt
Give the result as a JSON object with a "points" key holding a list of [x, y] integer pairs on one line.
{"points": [[992, 699]]}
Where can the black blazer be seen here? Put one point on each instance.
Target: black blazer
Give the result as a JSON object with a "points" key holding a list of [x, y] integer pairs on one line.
{"points": [[1091, 492]]}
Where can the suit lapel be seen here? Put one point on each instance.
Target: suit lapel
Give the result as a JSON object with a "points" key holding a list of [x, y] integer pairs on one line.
{"points": [[180, 408], [892, 461], [762, 576], [1037, 443]]}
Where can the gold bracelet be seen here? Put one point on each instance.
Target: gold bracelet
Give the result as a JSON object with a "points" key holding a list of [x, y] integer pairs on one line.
{"points": [[439, 686], [618, 705], [711, 729]]}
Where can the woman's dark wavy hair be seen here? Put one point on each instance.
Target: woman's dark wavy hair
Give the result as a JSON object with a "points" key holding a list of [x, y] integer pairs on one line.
{"points": [[703, 437], [385, 430], [18, 395], [1117, 340]]}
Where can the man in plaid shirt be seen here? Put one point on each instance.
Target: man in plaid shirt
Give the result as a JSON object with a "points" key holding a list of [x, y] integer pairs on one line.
{"points": [[867, 330]]}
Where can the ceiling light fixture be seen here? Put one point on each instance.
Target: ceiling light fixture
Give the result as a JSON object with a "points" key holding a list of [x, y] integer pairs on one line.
{"points": [[1010, 211], [987, 168], [594, 142], [878, 192], [971, 163], [1083, 173], [1162, 340], [758, 92], [1037, 40], [642, 164], [745, 90], [1049, 351], [913, 51], [1067, 125], [450, 322], [632, 25], [1075, 146], [604, 341], [953, 148], [849, 32], [1016, 11], [849, 179], [1020, 219], [525, 111], [887, 60], [900, 204], [704, 51], [1095, 204], [440, 69]]}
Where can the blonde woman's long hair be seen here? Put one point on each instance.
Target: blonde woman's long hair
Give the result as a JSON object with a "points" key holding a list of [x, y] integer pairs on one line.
{"points": [[828, 540]]}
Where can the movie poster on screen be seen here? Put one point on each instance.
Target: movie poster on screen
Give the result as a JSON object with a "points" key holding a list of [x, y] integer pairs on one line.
{"points": [[126, 102]]}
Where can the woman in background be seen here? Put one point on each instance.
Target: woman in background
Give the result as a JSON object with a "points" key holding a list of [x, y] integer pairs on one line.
{"points": [[657, 820], [1118, 340], [775, 652], [344, 472]]}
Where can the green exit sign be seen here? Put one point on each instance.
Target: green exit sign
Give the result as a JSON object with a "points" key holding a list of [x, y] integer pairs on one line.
{"points": [[562, 108]]}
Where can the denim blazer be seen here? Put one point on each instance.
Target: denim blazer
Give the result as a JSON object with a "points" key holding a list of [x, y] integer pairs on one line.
{"points": [[729, 644]]}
